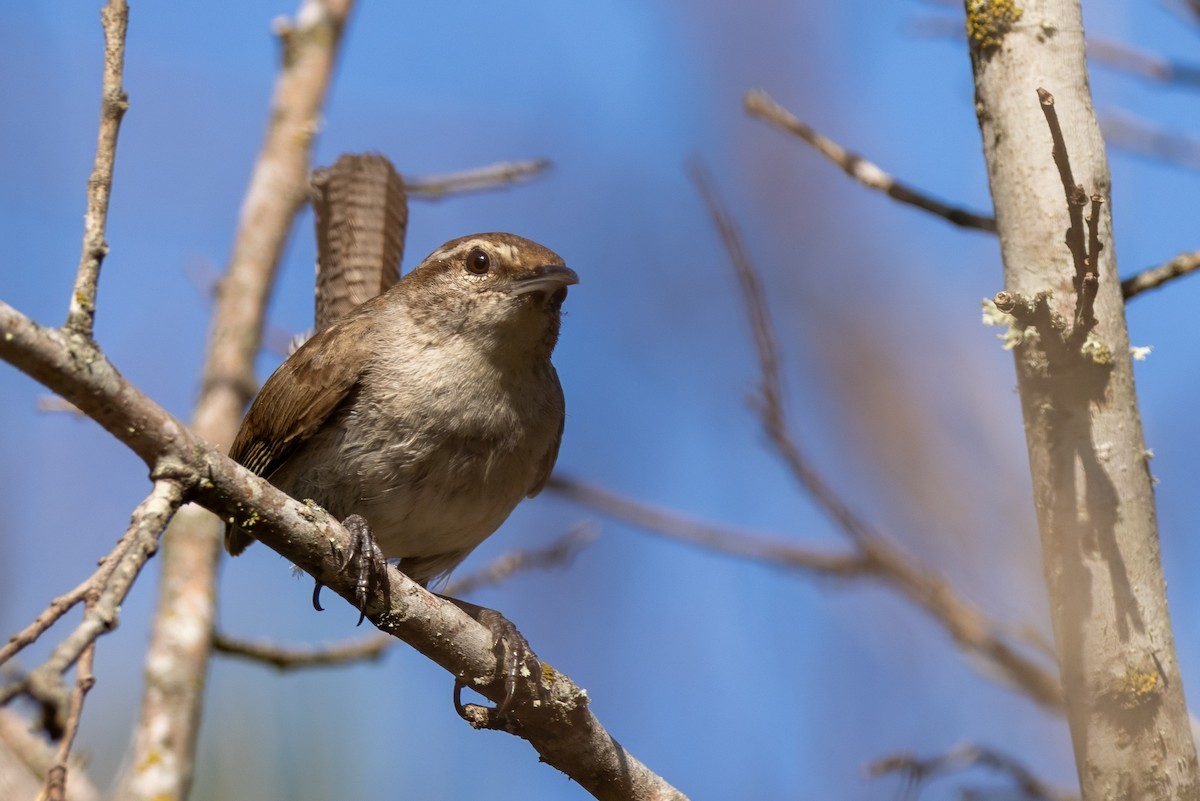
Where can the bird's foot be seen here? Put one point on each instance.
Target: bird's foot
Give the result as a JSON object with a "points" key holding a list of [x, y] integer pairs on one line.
{"points": [[366, 560], [514, 656]]}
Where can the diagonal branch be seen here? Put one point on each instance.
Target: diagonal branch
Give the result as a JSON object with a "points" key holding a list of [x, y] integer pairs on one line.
{"points": [[760, 104], [102, 594], [1154, 277], [82, 312]]}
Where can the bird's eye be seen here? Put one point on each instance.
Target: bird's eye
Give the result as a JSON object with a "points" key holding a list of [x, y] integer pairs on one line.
{"points": [[478, 262]]}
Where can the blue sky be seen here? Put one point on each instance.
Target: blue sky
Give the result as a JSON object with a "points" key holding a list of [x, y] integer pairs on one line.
{"points": [[731, 679]]}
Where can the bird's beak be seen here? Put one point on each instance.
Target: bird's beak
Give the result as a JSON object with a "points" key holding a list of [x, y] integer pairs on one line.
{"points": [[545, 278]]}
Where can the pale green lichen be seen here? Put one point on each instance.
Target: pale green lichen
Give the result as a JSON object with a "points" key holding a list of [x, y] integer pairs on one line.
{"points": [[988, 21], [1096, 350], [1013, 334], [1140, 352]]}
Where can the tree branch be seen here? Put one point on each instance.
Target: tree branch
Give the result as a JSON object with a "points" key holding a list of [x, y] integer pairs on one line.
{"points": [[102, 594], [1154, 277], [493, 176], [760, 104], [82, 311], [917, 771], [554, 717]]}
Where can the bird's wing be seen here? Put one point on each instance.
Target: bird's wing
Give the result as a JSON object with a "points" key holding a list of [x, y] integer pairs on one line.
{"points": [[302, 394], [297, 399]]}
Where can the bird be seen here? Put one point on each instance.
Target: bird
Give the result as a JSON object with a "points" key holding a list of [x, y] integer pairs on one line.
{"points": [[423, 416]]}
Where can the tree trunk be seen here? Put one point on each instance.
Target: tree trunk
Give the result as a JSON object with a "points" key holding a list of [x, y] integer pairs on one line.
{"points": [[1091, 482]]}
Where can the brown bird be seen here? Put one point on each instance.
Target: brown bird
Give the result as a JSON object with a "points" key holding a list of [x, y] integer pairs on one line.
{"points": [[426, 414]]}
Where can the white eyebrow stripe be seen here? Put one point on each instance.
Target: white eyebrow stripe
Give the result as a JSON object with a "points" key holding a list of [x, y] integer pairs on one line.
{"points": [[505, 251]]}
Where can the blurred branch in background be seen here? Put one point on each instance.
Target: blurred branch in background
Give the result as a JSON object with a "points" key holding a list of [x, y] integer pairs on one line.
{"points": [[1128, 132], [918, 772], [1181, 265], [1142, 63], [26, 761], [493, 176], [558, 553]]}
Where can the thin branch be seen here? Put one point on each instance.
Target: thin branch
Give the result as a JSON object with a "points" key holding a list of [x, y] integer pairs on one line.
{"points": [[365, 649], [917, 771], [493, 176], [82, 312], [1086, 274], [56, 778], [294, 657], [1154, 277], [554, 717], [1144, 138], [733, 541], [760, 104], [558, 553], [103, 594], [1142, 63], [967, 624]]}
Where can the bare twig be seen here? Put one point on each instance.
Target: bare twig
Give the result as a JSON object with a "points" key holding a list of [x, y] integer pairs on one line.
{"points": [[869, 175], [1086, 276], [554, 718], [558, 553], [968, 625], [293, 657], [82, 312], [493, 176], [1150, 139], [1154, 277], [56, 777], [917, 771], [363, 649], [102, 593], [64, 603], [733, 541], [1141, 63]]}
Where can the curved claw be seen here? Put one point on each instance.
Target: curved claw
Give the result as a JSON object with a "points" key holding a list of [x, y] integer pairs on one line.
{"points": [[514, 652], [317, 597]]}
